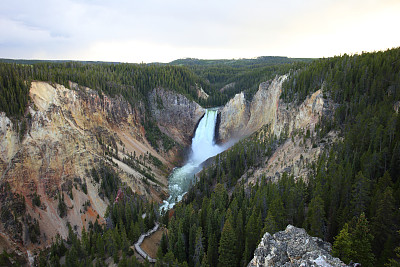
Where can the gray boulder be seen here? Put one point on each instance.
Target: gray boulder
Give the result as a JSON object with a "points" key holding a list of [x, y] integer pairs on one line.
{"points": [[293, 247]]}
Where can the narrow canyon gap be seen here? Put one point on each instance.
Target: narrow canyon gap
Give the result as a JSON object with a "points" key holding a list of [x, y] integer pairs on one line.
{"points": [[203, 147]]}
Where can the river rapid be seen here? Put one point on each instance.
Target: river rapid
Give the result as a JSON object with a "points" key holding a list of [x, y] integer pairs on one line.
{"points": [[203, 147]]}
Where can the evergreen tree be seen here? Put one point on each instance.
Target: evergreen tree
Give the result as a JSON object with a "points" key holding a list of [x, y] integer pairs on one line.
{"points": [[316, 217], [342, 247], [362, 239], [252, 236], [180, 248], [198, 248], [227, 246], [212, 250], [270, 225], [383, 224], [360, 194]]}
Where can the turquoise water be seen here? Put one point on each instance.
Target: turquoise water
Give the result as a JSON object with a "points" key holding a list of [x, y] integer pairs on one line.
{"points": [[203, 147]]}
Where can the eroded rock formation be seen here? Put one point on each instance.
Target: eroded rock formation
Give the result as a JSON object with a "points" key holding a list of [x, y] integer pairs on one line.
{"points": [[176, 115], [293, 122], [293, 247], [68, 132], [240, 118]]}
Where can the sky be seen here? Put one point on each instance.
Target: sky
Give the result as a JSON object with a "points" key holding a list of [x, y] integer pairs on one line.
{"points": [[163, 30]]}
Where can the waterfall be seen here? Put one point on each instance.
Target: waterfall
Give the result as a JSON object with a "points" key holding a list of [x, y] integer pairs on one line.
{"points": [[203, 147]]}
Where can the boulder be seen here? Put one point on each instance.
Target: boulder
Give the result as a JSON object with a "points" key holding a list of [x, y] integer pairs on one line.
{"points": [[293, 247]]}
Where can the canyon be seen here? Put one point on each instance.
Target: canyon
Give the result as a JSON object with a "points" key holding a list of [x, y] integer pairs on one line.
{"points": [[72, 131]]}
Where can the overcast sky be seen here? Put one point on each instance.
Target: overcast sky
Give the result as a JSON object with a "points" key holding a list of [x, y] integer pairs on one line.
{"points": [[164, 30]]}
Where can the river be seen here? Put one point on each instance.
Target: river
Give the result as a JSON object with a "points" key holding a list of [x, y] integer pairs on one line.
{"points": [[203, 147]]}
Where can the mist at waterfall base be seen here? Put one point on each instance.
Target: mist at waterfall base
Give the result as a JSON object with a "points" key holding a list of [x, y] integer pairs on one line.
{"points": [[203, 147]]}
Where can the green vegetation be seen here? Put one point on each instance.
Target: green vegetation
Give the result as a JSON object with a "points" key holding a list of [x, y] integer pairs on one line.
{"points": [[36, 199], [135, 81], [62, 207], [14, 89], [126, 219], [351, 196], [242, 74]]}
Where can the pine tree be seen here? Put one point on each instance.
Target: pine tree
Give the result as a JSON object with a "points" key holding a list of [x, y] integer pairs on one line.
{"points": [[180, 248], [362, 239], [100, 246], [315, 221], [342, 247], [270, 224], [227, 246], [278, 211], [198, 248], [383, 224], [212, 250], [252, 235], [395, 262], [135, 232], [360, 194]]}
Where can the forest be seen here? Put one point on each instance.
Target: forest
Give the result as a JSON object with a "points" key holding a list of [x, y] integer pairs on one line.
{"points": [[351, 197], [135, 81]]}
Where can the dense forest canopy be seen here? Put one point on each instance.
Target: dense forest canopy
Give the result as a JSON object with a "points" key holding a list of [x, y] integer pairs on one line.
{"points": [[135, 81], [242, 74], [351, 196], [240, 63]]}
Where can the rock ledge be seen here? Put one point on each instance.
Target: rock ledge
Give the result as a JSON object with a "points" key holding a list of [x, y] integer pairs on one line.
{"points": [[293, 247]]}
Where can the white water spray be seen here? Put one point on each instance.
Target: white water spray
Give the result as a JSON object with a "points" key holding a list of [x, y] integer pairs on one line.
{"points": [[203, 147]]}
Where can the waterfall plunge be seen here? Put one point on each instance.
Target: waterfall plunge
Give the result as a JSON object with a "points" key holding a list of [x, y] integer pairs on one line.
{"points": [[203, 147]]}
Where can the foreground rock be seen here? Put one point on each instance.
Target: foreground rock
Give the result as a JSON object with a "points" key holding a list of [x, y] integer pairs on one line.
{"points": [[293, 247]]}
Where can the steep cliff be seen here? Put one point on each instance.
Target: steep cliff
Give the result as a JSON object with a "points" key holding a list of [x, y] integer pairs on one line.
{"points": [[266, 112], [70, 133], [176, 115], [293, 247], [233, 119], [240, 118]]}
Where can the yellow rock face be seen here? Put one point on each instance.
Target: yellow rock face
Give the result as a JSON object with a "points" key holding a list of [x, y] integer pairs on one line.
{"points": [[61, 147]]}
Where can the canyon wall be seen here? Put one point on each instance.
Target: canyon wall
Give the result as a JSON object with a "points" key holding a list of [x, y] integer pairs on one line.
{"points": [[240, 118], [266, 112], [176, 115], [65, 135]]}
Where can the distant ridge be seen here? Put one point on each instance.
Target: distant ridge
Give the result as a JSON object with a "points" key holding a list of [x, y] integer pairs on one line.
{"points": [[241, 62], [35, 61], [265, 60]]}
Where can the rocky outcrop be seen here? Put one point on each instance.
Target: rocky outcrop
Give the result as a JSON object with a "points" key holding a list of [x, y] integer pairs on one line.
{"points": [[293, 247], [240, 118], [69, 132], [233, 118], [201, 94], [294, 123], [176, 115]]}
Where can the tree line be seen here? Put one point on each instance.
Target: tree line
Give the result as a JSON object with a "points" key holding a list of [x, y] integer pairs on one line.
{"points": [[351, 196]]}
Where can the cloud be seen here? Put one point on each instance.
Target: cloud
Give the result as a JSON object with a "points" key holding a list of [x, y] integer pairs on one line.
{"points": [[159, 30]]}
